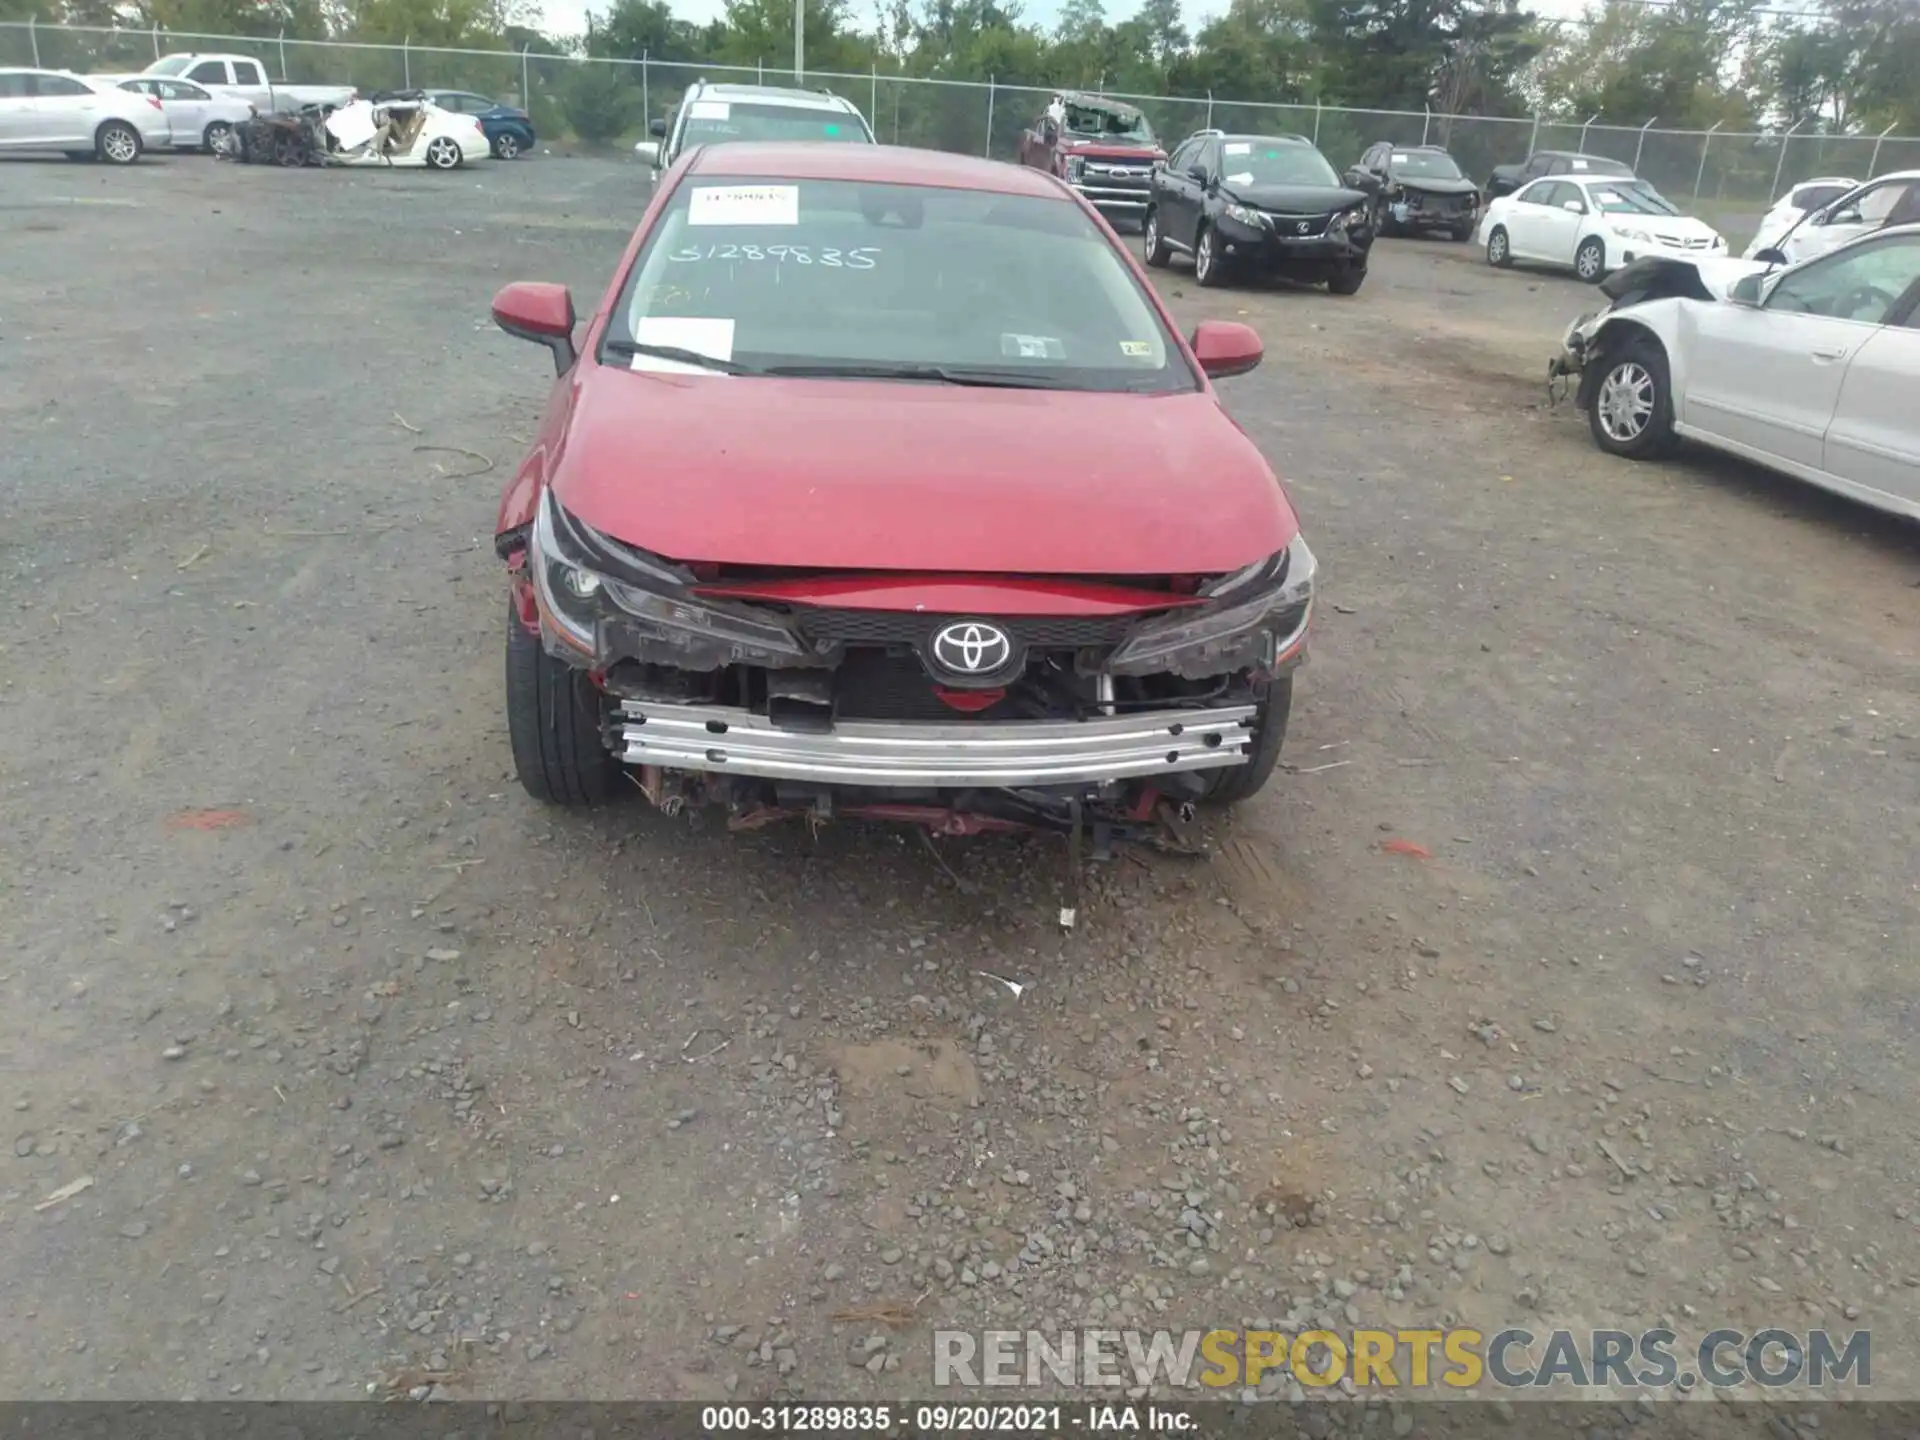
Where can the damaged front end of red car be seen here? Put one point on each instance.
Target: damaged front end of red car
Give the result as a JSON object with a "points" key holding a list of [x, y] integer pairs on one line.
{"points": [[962, 703]]}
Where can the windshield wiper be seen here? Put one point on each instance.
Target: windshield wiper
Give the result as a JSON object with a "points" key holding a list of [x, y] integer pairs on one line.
{"points": [[680, 353], [946, 375]]}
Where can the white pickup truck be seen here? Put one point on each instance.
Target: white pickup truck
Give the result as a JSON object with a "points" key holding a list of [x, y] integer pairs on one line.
{"points": [[245, 78]]}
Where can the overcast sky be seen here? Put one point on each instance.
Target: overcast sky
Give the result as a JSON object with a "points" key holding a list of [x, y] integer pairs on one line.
{"points": [[567, 17]]}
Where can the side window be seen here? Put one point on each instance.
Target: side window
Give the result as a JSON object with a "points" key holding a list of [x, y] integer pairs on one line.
{"points": [[58, 86], [14, 87], [209, 72], [1864, 284], [184, 91], [1210, 158], [245, 72], [1538, 165], [1536, 193], [1182, 156]]}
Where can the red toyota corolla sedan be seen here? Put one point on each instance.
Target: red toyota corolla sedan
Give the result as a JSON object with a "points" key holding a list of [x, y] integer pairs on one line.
{"points": [[880, 483]]}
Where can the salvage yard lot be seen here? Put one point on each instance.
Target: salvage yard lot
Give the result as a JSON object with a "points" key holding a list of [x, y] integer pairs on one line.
{"points": [[1569, 982]]}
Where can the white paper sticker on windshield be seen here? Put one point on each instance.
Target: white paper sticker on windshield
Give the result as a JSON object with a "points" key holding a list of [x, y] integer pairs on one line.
{"points": [[698, 333], [709, 110], [1239, 147], [1399, 159], [1244, 177], [1032, 347], [1579, 164], [745, 205]]}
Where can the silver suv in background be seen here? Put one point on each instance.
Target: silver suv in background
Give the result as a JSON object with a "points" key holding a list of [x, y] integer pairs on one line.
{"points": [[58, 110], [713, 114]]}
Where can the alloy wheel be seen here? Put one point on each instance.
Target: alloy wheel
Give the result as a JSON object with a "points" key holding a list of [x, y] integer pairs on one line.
{"points": [[1625, 402], [120, 145], [1203, 257], [507, 147], [442, 154]]}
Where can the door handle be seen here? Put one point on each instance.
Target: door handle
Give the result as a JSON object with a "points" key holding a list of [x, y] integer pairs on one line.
{"points": [[1825, 355]]}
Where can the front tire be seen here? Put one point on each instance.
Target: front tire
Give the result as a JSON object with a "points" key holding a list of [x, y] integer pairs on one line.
{"points": [[1590, 260], [442, 153], [216, 136], [1154, 243], [506, 146], [117, 143], [553, 719], [1632, 411], [1461, 232], [1499, 251], [1242, 782], [1346, 282], [1209, 269]]}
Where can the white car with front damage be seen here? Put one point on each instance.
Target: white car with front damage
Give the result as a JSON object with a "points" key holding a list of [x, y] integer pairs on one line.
{"points": [[1591, 224], [1812, 370], [405, 129]]}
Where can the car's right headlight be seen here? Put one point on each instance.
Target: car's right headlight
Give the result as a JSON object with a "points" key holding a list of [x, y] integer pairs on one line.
{"points": [[584, 579], [1257, 619], [1639, 237]]}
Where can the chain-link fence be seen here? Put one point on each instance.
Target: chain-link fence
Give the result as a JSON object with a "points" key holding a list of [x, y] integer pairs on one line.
{"points": [[1734, 176]]}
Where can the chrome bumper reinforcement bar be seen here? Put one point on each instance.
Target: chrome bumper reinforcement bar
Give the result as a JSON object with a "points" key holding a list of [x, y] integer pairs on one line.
{"points": [[990, 754]]}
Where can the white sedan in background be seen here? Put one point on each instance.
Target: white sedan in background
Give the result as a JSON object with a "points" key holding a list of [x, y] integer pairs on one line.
{"points": [[1889, 200], [1591, 225], [1794, 206], [1812, 370], [200, 119], [58, 110], [405, 128]]}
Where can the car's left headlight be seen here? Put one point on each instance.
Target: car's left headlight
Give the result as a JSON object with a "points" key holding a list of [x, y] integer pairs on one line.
{"points": [[583, 578], [1355, 218], [1076, 168], [1252, 219], [1256, 619], [1719, 242]]}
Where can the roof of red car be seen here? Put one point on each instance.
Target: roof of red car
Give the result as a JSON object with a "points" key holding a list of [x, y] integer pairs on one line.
{"points": [[882, 164]]}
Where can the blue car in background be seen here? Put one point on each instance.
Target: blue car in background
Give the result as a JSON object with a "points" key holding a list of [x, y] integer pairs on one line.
{"points": [[508, 130]]}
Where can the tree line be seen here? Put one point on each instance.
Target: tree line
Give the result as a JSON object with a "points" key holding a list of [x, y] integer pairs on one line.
{"points": [[1832, 66]]}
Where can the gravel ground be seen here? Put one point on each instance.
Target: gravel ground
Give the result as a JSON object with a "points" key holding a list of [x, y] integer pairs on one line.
{"points": [[376, 1075]]}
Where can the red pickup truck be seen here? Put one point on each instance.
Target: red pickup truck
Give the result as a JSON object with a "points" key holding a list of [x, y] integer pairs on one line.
{"points": [[1103, 148]]}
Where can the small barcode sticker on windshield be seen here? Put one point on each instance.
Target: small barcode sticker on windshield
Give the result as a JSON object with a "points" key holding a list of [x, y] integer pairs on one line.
{"points": [[745, 205]]}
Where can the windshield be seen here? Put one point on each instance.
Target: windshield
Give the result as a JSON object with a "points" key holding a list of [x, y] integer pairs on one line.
{"points": [[1812, 197], [1275, 162], [1634, 198], [774, 273], [1426, 164], [1099, 123], [172, 65], [712, 122]]}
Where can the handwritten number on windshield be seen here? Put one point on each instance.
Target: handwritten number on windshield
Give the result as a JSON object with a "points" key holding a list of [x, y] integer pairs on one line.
{"points": [[862, 258]]}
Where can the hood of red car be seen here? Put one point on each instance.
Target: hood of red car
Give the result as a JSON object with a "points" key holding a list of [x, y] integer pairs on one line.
{"points": [[833, 474]]}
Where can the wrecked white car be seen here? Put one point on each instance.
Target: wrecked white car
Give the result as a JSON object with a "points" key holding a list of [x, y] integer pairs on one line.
{"points": [[405, 128], [1810, 370], [400, 128]]}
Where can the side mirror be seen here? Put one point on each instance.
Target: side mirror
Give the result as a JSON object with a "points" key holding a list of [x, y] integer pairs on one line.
{"points": [[1573, 207], [1841, 217], [1197, 173], [542, 313], [1225, 347], [1746, 291], [1772, 256], [657, 129]]}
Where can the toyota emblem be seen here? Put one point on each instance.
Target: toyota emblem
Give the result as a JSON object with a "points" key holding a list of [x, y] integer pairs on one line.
{"points": [[971, 647]]}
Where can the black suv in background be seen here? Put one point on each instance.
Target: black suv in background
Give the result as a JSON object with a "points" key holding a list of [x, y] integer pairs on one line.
{"points": [[1506, 179], [1264, 203], [1416, 188]]}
